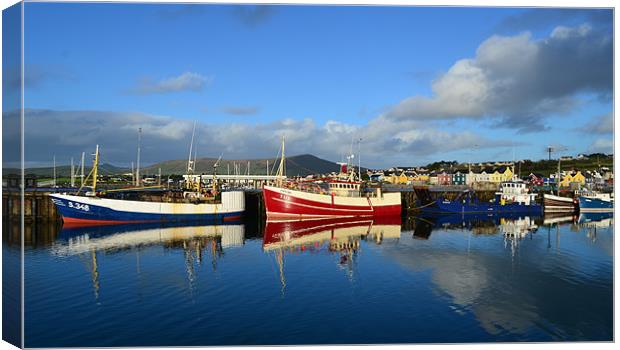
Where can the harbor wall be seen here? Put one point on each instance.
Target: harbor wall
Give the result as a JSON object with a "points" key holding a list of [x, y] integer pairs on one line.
{"points": [[37, 207]]}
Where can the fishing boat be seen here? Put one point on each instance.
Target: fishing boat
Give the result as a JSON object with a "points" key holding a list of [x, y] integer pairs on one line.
{"points": [[514, 197], [343, 196], [556, 204], [195, 203], [595, 202]]}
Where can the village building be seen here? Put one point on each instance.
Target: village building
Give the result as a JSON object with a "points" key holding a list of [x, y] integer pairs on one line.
{"points": [[444, 178], [458, 178]]}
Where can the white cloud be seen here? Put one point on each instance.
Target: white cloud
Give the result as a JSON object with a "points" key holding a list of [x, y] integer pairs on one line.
{"points": [[385, 142], [602, 124], [602, 145], [187, 81], [517, 81]]}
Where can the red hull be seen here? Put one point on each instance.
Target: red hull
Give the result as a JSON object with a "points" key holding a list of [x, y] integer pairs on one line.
{"points": [[294, 204]]}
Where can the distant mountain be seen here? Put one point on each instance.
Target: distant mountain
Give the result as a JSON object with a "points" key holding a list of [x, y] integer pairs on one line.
{"points": [[300, 165], [65, 170]]}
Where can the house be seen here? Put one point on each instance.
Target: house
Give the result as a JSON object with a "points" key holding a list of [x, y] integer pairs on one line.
{"points": [[576, 178], [536, 179], [582, 156], [398, 179], [376, 177], [433, 180], [458, 178], [470, 178], [444, 178], [421, 178]]}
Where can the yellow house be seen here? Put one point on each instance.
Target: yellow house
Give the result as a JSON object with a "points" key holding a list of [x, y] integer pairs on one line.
{"points": [[507, 175], [500, 177], [577, 178], [421, 178], [398, 179]]}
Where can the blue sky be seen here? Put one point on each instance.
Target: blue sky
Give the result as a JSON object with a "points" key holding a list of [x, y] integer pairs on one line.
{"points": [[417, 84]]}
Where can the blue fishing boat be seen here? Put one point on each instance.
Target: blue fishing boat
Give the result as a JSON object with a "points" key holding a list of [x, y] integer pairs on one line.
{"points": [[514, 197], [596, 203], [195, 204]]}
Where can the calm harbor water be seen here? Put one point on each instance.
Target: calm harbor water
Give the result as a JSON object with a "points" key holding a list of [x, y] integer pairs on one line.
{"points": [[433, 279]]}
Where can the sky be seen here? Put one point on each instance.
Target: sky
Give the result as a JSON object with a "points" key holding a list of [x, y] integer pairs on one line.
{"points": [[399, 85]]}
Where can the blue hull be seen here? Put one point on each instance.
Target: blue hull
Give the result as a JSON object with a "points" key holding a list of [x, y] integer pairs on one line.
{"points": [[93, 214], [595, 205], [442, 206]]}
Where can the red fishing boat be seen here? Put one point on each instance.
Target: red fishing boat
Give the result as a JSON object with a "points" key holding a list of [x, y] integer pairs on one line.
{"points": [[343, 196]]}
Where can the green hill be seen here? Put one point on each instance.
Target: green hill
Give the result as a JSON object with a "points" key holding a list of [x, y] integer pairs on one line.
{"points": [[65, 170], [300, 165]]}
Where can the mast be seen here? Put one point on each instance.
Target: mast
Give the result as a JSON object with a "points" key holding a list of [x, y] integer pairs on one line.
{"points": [[190, 168], [138, 163], [282, 168], [82, 173], [95, 168], [159, 177], [359, 157], [559, 179], [54, 170], [72, 174], [214, 181]]}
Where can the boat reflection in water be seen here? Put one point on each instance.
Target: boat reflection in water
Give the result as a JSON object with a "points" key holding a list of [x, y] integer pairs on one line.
{"points": [[595, 221], [482, 224], [81, 240], [338, 235], [196, 242], [514, 228]]}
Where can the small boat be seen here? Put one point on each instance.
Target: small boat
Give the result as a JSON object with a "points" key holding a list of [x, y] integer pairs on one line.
{"points": [[514, 197], [596, 202], [557, 204], [194, 204], [343, 196]]}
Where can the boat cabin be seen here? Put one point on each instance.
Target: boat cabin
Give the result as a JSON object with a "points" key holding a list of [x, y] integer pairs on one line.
{"points": [[516, 192], [343, 188]]}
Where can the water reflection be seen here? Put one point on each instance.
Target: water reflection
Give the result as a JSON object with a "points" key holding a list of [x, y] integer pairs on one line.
{"points": [[339, 236], [452, 278], [196, 242]]}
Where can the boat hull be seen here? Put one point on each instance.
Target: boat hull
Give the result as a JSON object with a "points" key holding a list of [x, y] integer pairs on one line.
{"points": [[78, 210], [557, 204], [444, 206], [283, 203], [595, 205]]}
